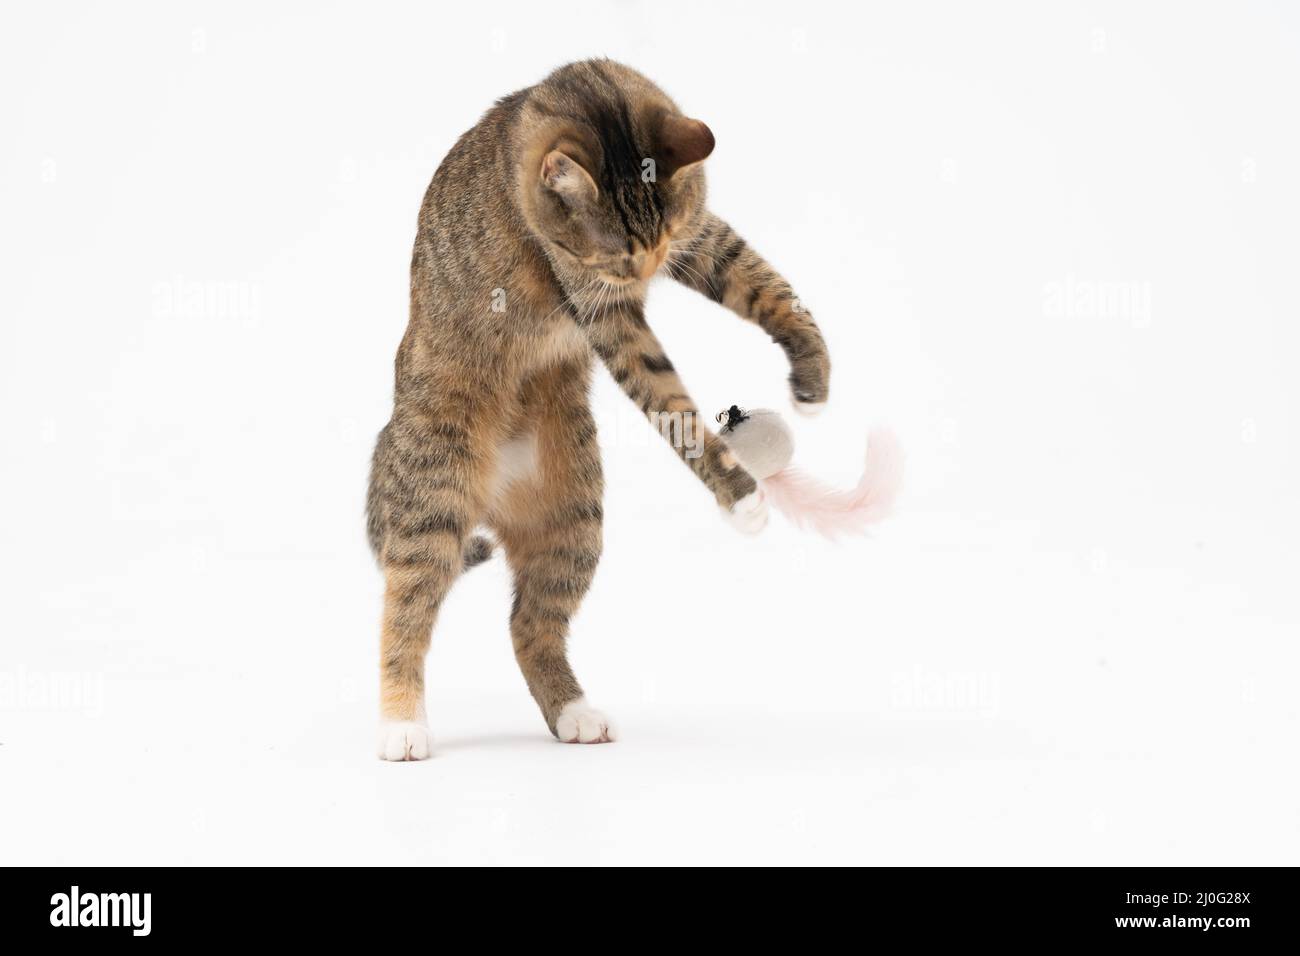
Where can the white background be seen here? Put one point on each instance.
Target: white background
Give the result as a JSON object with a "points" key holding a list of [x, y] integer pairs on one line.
{"points": [[1055, 249]]}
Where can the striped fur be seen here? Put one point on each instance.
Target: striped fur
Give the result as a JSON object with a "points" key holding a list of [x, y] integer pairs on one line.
{"points": [[535, 242], [720, 264]]}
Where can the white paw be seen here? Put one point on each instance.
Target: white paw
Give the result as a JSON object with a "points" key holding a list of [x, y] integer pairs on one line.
{"points": [[404, 740], [749, 514], [578, 723], [807, 409]]}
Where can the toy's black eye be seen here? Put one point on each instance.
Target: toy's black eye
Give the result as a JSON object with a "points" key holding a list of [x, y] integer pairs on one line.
{"points": [[732, 417]]}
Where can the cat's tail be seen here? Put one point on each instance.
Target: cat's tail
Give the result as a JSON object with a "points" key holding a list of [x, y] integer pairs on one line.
{"points": [[477, 550], [809, 503]]}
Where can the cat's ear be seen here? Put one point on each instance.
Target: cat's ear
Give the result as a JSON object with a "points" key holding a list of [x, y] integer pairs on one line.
{"points": [[682, 142], [564, 176]]}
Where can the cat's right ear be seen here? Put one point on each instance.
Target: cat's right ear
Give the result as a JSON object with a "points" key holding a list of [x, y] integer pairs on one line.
{"points": [[564, 176], [681, 143]]}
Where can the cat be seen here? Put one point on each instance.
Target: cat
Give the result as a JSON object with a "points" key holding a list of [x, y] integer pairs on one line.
{"points": [[535, 242]]}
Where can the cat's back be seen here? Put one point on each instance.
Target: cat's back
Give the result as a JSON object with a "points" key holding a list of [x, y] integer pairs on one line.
{"points": [[474, 179], [469, 237]]}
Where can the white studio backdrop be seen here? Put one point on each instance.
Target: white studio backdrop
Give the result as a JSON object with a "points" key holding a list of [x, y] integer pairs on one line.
{"points": [[1052, 246]]}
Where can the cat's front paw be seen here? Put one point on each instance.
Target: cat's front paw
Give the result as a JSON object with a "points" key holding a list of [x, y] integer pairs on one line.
{"points": [[808, 409], [404, 740], [579, 723], [810, 373], [749, 514], [809, 388]]}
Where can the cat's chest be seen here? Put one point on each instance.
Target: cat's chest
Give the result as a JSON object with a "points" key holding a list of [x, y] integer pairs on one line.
{"points": [[559, 342]]}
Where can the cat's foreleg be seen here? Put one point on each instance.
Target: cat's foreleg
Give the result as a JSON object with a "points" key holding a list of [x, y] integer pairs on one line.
{"points": [[720, 264], [635, 358]]}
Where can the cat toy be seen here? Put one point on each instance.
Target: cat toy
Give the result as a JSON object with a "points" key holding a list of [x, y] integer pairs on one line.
{"points": [[762, 442]]}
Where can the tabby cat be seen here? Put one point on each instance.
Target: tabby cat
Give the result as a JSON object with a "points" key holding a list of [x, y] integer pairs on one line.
{"points": [[536, 240]]}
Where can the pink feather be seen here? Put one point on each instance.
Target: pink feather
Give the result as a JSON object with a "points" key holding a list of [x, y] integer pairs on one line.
{"points": [[809, 503]]}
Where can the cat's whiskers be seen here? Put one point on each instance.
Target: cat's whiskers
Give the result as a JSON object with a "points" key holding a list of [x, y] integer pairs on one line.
{"points": [[609, 293], [588, 311], [567, 299], [701, 253], [691, 247], [597, 301], [690, 243], [691, 273]]}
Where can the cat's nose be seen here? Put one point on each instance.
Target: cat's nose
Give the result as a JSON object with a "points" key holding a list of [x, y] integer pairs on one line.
{"points": [[648, 262]]}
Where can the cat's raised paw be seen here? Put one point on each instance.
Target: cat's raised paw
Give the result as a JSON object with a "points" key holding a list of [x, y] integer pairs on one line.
{"points": [[807, 409], [579, 723], [749, 514], [404, 740]]}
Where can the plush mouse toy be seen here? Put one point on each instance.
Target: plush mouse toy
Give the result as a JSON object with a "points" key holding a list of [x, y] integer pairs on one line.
{"points": [[764, 444]]}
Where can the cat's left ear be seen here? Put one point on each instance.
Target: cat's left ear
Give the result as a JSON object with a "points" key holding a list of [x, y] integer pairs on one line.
{"points": [[681, 142], [564, 175]]}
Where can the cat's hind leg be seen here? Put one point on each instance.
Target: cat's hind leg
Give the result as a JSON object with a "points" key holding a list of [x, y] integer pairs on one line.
{"points": [[430, 483], [547, 514]]}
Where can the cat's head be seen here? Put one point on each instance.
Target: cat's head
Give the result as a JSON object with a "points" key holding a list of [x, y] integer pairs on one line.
{"points": [[613, 172]]}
